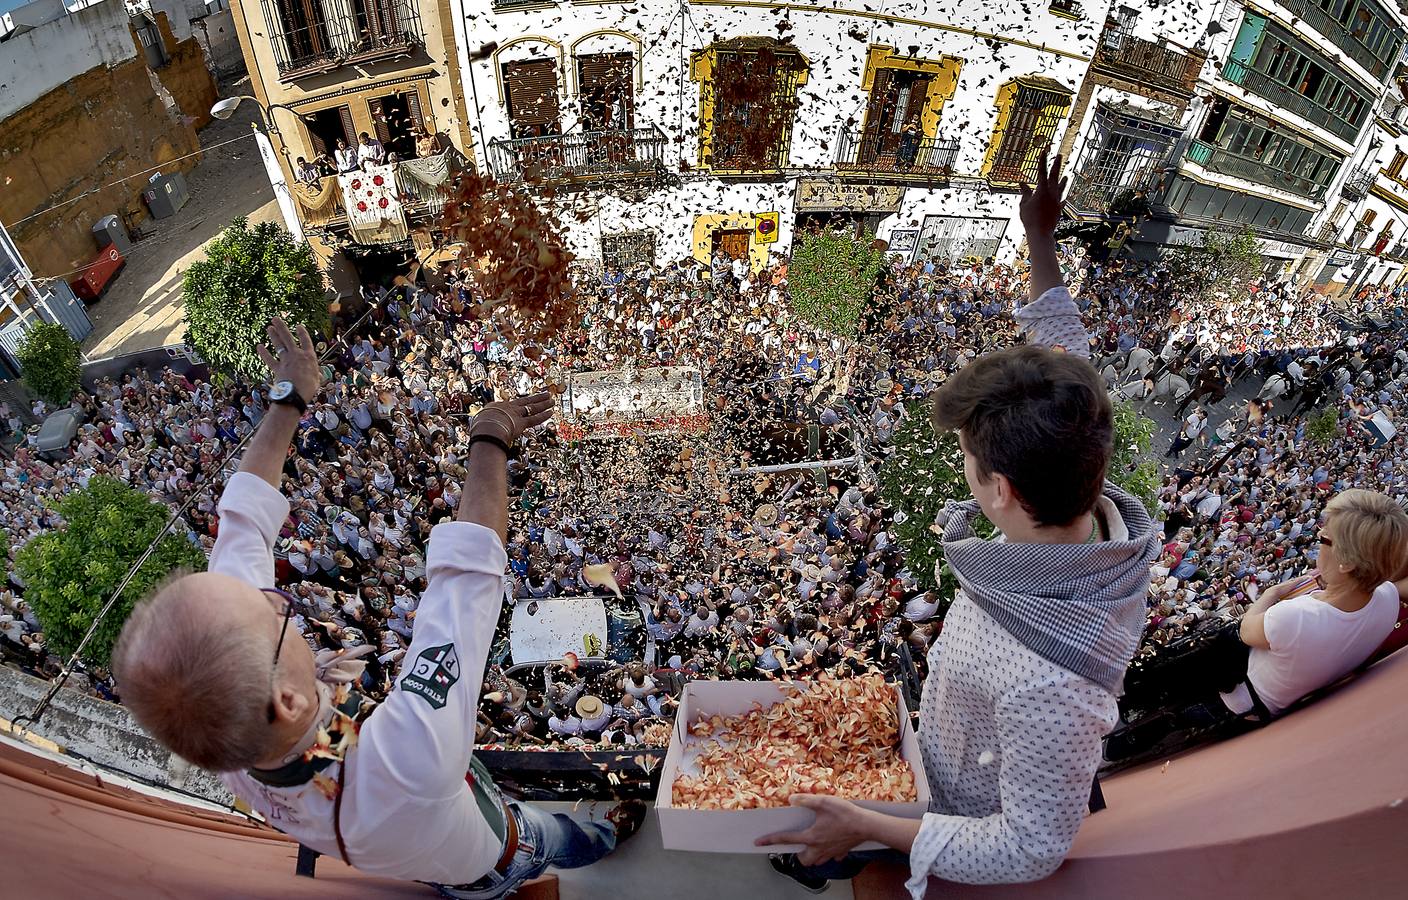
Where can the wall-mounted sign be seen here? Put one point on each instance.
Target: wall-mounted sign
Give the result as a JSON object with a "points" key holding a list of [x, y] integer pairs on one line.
{"points": [[765, 230], [904, 240], [819, 195]]}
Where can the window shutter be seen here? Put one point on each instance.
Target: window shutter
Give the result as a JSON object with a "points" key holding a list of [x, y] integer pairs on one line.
{"points": [[918, 97], [316, 142], [379, 123], [605, 83], [413, 104], [349, 131], [530, 89], [879, 90]]}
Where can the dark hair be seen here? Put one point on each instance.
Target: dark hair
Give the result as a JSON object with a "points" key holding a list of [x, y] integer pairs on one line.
{"points": [[1040, 418]]}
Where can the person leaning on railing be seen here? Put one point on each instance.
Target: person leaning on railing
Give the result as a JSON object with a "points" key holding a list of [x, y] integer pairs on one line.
{"points": [[207, 666]]}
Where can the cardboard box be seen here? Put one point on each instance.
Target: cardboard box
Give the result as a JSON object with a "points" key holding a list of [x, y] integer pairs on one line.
{"points": [[734, 831]]}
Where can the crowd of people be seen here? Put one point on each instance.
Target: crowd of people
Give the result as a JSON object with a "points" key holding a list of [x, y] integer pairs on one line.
{"points": [[735, 572]]}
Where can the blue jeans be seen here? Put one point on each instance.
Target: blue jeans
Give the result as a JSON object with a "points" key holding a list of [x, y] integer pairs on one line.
{"points": [[845, 869], [544, 839]]}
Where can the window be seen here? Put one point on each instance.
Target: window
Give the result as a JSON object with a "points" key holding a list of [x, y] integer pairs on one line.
{"points": [[397, 120], [1029, 110], [530, 94], [627, 250], [305, 31], [328, 126], [955, 238], [1395, 168], [606, 85], [377, 24], [1124, 153], [748, 101], [1368, 218]]}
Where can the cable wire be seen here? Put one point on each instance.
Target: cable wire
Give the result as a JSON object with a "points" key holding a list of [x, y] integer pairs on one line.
{"points": [[92, 191]]}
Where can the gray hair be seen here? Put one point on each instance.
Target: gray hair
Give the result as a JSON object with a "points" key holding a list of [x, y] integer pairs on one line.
{"points": [[202, 690]]}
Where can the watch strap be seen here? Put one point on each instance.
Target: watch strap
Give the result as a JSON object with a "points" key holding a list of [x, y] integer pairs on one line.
{"points": [[293, 399]]}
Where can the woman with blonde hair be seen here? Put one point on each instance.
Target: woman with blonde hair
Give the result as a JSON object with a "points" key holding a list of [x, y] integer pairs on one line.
{"points": [[1299, 635]]}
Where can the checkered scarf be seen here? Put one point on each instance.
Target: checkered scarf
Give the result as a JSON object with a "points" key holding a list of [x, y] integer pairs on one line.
{"points": [[1081, 606]]}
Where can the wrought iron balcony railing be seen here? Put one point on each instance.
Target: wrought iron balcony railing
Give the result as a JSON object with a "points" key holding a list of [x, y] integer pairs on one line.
{"points": [[896, 153], [1140, 60], [312, 36], [579, 156], [1217, 159], [1356, 186], [1339, 35], [1287, 98], [1067, 9]]}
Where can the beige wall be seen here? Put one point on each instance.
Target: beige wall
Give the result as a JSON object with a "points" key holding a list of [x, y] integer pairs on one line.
{"points": [[432, 72]]}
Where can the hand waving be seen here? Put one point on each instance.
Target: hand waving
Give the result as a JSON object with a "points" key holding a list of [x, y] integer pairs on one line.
{"points": [[292, 360], [1040, 208], [508, 419]]}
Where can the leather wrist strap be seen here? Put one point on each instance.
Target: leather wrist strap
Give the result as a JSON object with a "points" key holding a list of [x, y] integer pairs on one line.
{"points": [[489, 439]]}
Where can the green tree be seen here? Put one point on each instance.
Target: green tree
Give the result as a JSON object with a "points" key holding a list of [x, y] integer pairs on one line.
{"points": [[249, 276], [1223, 263], [1324, 426], [70, 572], [48, 358], [925, 470], [831, 279]]}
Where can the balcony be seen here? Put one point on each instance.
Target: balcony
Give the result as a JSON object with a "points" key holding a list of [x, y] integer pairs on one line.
{"points": [[321, 206], [510, 5], [313, 38], [1337, 34], [580, 156], [1292, 101], [1356, 186], [893, 154], [1066, 9], [1215, 159], [1123, 55]]}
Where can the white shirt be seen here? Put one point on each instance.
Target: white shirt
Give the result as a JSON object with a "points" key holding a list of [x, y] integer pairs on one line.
{"points": [[406, 811], [1314, 644]]}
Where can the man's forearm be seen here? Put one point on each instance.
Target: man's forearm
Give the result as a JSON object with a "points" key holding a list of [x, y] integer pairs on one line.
{"points": [[268, 448], [1045, 270], [484, 500], [892, 831]]}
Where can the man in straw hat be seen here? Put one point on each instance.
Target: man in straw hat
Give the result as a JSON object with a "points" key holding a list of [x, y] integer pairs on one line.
{"points": [[1023, 679], [208, 668]]}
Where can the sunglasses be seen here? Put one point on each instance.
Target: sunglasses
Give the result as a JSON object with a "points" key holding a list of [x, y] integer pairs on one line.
{"points": [[1326, 542], [278, 648]]}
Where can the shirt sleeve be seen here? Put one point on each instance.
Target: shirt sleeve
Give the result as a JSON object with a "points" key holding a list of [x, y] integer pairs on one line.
{"points": [[1281, 623], [1050, 735], [1053, 318], [251, 513], [423, 734]]}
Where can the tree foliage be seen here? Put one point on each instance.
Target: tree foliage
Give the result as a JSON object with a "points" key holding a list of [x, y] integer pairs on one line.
{"points": [[831, 278], [249, 276], [1224, 263], [1324, 426], [48, 358], [925, 471], [71, 572]]}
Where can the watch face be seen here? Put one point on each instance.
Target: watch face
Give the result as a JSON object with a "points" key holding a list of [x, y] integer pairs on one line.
{"points": [[280, 390]]}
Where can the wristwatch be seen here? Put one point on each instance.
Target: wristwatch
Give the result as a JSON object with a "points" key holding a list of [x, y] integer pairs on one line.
{"points": [[284, 392]]}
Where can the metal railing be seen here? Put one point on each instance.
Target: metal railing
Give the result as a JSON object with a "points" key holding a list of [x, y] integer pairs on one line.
{"points": [[1338, 34], [898, 154], [1253, 170], [1356, 186], [518, 4], [1288, 98], [1068, 8], [319, 35], [579, 156], [1143, 60]]}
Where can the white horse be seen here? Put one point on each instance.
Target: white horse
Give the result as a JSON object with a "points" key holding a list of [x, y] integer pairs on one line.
{"points": [[1169, 386], [1275, 387]]}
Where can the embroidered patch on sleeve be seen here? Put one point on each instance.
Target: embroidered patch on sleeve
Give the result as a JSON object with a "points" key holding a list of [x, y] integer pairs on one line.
{"points": [[435, 671]]}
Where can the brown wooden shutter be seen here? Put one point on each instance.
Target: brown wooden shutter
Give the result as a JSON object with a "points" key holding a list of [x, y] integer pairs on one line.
{"points": [[349, 130], [918, 97], [879, 91], [530, 89], [607, 81], [316, 142], [379, 123], [413, 104]]}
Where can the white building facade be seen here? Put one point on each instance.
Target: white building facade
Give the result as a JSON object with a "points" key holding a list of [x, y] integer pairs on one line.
{"points": [[668, 130]]}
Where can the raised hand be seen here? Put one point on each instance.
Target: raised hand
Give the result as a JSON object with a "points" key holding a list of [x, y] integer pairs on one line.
{"points": [[507, 420], [1040, 207], [292, 360]]}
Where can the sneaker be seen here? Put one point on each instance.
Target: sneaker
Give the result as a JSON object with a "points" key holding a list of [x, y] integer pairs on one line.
{"points": [[786, 864], [626, 817]]}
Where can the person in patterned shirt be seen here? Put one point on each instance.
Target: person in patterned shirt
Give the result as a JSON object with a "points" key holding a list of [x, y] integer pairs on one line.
{"points": [[1024, 676]]}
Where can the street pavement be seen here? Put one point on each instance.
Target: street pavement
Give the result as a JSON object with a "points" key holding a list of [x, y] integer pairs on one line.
{"points": [[143, 308]]}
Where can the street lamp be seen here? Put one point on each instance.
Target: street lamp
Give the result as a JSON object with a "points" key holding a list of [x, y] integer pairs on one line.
{"points": [[224, 109]]}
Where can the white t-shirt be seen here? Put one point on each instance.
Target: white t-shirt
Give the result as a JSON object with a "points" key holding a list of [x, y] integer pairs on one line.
{"points": [[1313, 644], [406, 810]]}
